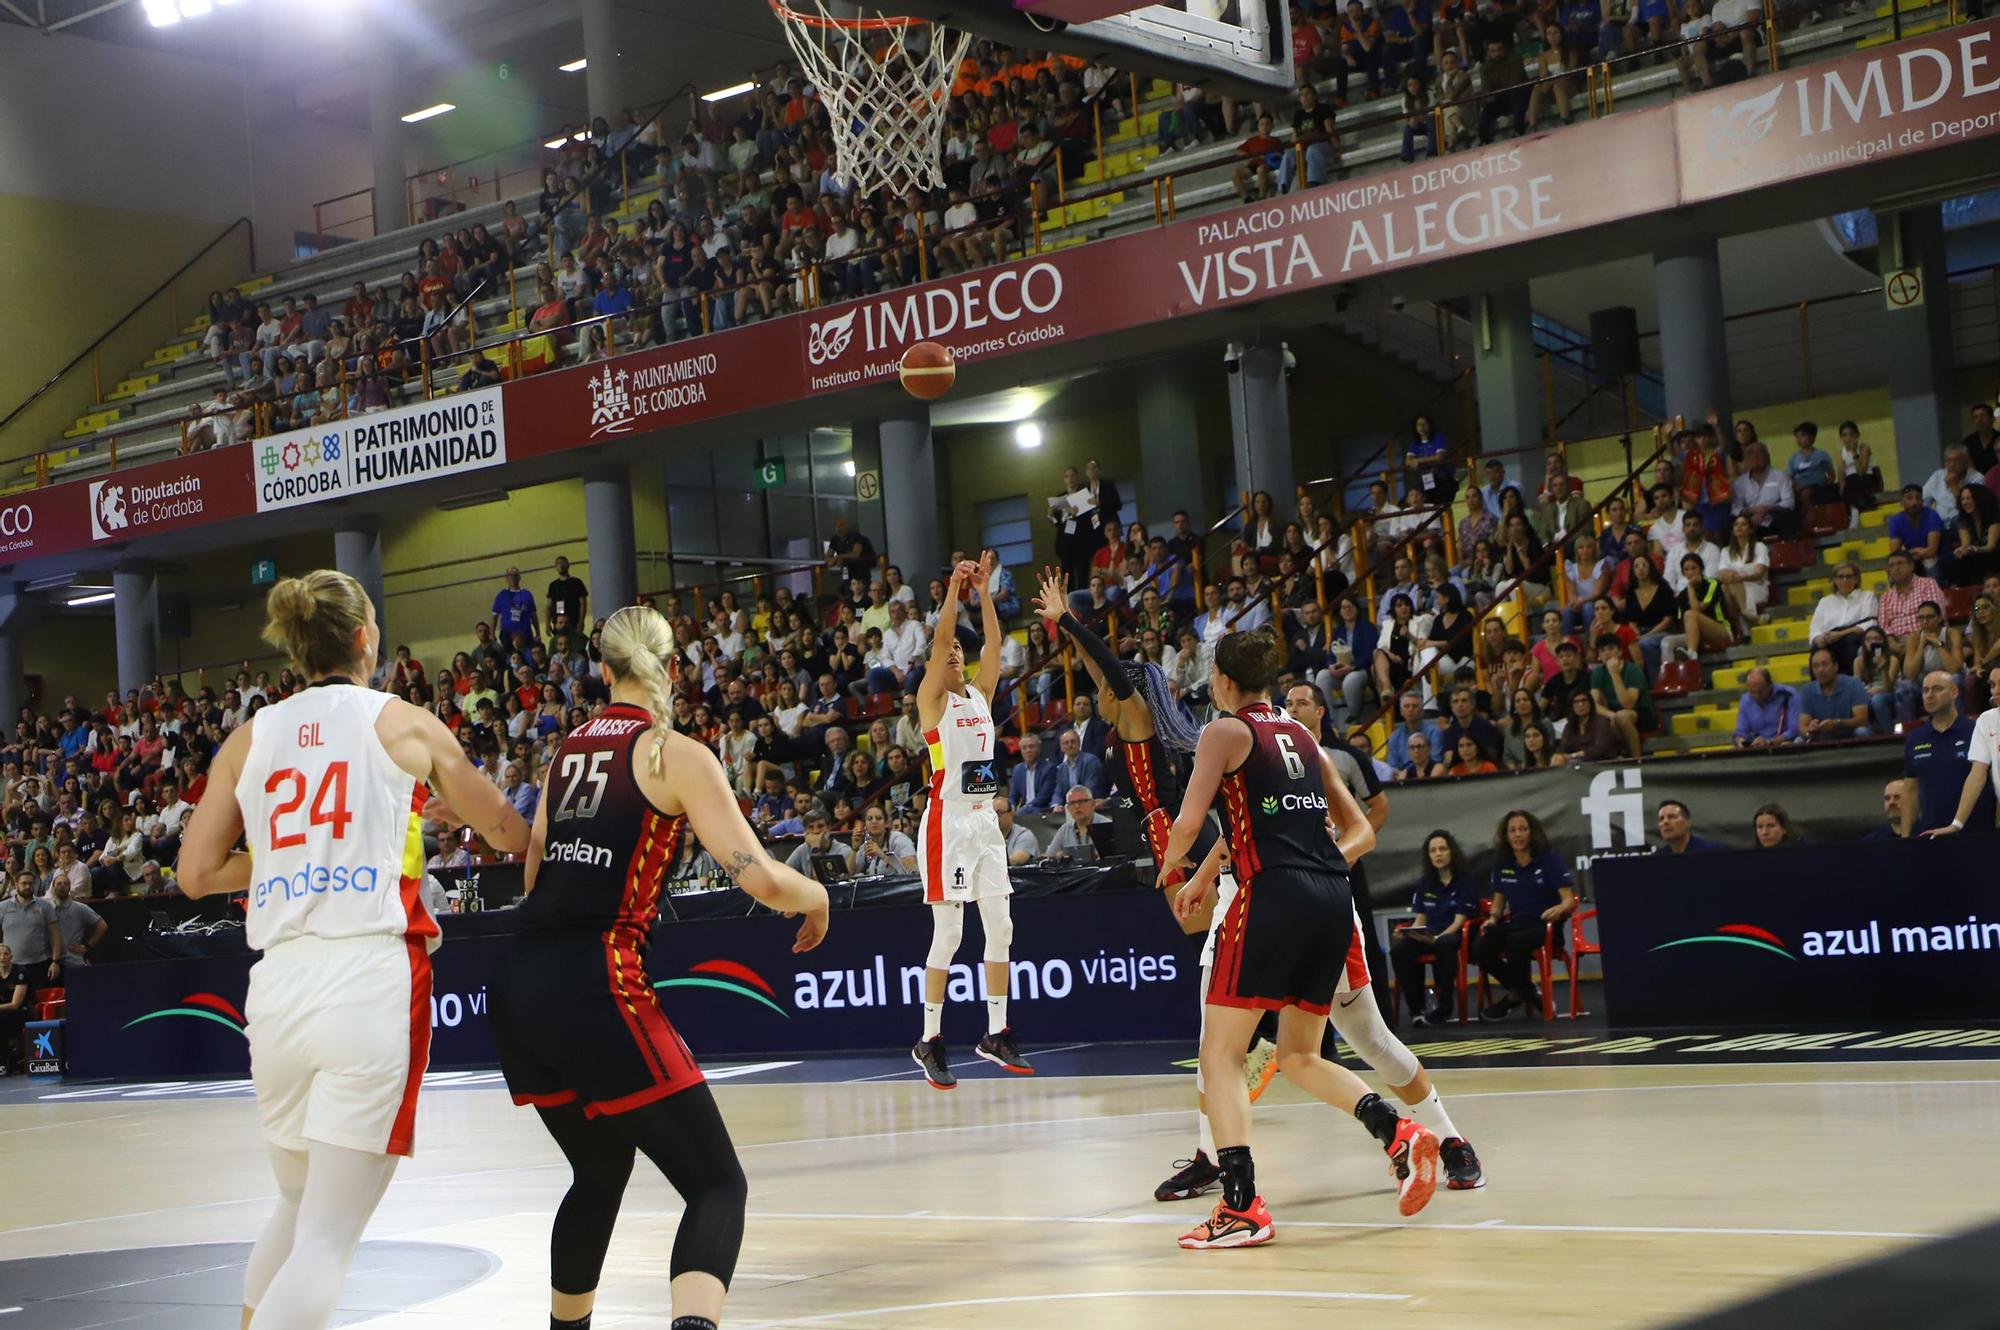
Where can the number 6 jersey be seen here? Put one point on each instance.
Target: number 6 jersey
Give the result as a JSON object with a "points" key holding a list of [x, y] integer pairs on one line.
{"points": [[334, 825]]}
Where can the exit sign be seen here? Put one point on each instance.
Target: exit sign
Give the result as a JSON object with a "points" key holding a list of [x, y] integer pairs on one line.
{"points": [[263, 572], [770, 473]]}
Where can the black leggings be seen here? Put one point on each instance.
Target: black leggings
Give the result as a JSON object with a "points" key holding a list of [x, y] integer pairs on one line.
{"points": [[686, 1139]]}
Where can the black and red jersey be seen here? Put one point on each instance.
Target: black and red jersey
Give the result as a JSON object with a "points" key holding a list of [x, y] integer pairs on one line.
{"points": [[1274, 804], [606, 848], [1145, 770]]}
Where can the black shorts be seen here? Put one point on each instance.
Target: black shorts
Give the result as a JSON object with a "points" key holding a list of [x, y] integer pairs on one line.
{"points": [[577, 1022], [1288, 940]]}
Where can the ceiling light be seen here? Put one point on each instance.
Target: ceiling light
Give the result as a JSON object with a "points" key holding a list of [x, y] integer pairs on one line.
{"points": [[94, 597], [161, 13], [574, 66], [581, 136], [424, 114], [724, 94], [1027, 434], [555, 143], [196, 8]]}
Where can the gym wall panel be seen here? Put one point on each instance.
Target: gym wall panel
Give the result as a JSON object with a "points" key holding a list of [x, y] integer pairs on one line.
{"points": [[977, 463], [74, 652], [227, 617]]}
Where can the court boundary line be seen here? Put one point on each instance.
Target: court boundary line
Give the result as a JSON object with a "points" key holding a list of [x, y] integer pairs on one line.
{"points": [[1091, 1295]]}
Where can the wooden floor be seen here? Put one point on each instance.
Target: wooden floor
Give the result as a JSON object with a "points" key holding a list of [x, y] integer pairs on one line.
{"points": [[1617, 1196]]}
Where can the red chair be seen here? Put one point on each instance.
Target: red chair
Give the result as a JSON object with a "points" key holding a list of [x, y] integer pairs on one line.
{"points": [[1546, 957], [1579, 947], [1430, 958], [1823, 519], [1056, 712], [1958, 602], [51, 995], [755, 689], [880, 705], [1034, 715], [1789, 556], [853, 707], [1678, 678]]}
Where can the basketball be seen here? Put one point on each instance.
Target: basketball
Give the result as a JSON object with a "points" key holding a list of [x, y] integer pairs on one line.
{"points": [[928, 371]]}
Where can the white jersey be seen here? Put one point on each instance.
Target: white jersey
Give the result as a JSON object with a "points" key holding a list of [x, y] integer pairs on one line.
{"points": [[962, 767], [333, 824]]}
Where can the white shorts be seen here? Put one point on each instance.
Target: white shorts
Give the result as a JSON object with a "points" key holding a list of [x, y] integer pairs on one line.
{"points": [[340, 1035], [960, 855], [1225, 892]]}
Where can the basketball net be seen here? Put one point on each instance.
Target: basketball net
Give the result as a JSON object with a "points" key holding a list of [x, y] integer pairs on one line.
{"points": [[886, 82]]}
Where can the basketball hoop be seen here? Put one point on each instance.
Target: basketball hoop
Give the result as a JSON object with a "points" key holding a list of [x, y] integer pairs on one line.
{"points": [[886, 81]]}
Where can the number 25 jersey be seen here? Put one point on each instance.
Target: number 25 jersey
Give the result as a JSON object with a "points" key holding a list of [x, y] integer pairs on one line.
{"points": [[334, 825]]}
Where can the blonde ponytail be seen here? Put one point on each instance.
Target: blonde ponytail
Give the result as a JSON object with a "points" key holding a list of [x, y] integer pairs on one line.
{"points": [[636, 644], [313, 618]]}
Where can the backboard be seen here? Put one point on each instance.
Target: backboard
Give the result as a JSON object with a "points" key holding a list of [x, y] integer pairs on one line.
{"points": [[1240, 45]]}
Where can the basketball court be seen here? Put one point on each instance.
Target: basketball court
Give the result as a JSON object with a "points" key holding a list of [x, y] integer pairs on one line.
{"points": [[1619, 1194]]}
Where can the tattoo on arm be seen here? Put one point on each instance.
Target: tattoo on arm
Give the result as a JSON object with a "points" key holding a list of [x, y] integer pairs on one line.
{"points": [[739, 863]]}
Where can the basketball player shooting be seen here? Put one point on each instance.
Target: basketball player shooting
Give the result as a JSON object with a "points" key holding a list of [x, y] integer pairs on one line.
{"points": [[962, 856], [1286, 940]]}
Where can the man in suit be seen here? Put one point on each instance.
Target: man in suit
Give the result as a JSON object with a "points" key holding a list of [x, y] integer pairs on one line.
{"points": [[1078, 767], [1105, 491], [1033, 788], [1091, 731]]}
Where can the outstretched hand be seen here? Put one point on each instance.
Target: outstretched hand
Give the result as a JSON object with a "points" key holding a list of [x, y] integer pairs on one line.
{"points": [[1054, 599]]}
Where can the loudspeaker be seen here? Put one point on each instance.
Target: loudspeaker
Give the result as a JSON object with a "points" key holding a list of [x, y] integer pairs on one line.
{"points": [[1614, 340], [176, 614]]}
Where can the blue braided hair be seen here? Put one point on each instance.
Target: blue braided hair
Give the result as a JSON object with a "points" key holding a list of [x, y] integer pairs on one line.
{"points": [[1175, 723]]}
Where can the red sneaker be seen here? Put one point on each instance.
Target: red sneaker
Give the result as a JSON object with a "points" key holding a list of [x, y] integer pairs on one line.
{"points": [[1413, 1160], [1232, 1228]]}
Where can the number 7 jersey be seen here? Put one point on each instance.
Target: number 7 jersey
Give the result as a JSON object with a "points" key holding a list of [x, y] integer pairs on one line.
{"points": [[334, 825]]}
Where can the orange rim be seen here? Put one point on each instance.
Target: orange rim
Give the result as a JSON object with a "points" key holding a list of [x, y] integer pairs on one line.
{"points": [[878, 24]]}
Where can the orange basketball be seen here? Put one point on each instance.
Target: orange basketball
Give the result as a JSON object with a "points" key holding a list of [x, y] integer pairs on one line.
{"points": [[928, 371]]}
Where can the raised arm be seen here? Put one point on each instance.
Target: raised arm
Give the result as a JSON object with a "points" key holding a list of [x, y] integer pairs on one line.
{"points": [[930, 693], [989, 628]]}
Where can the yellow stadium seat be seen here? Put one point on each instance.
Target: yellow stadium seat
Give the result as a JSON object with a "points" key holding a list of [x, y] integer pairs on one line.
{"points": [[1771, 634], [1785, 669]]}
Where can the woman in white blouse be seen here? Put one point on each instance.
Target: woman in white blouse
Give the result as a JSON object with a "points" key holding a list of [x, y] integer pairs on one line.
{"points": [[1745, 571]]}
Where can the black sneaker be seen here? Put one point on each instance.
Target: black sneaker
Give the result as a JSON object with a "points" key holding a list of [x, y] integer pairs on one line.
{"points": [[1502, 1008], [929, 1054], [999, 1050], [1196, 1176], [1461, 1165], [1431, 1017]]}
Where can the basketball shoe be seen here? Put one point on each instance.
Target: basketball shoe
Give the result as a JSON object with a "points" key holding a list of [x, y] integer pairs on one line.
{"points": [[1260, 1064], [1461, 1164], [929, 1054], [1225, 1227], [999, 1050], [1413, 1162], [1196, 1176]]}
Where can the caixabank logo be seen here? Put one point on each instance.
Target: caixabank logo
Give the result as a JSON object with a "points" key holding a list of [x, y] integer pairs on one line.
{"points": [[199, 1007]]}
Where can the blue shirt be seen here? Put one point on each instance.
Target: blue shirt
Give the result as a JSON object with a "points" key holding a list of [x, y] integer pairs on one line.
{"points": [[515, 610], [1848, 693], [616, 301], [1399, 744], [1776, 719], [1532, 887], [1915, 535], [1811, 467], [1440, 904], [1937, 760]]}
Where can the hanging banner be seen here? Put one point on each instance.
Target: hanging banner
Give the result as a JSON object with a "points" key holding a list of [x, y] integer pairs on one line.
{"points": [[430, 440]]}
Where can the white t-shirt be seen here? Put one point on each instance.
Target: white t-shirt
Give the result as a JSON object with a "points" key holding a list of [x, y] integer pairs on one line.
{"points": [[1985, 745], [1734, 13], [960, 215]]}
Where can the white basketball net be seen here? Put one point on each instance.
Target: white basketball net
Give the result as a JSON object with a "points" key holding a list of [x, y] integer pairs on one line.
{"points": [[886, 82]]}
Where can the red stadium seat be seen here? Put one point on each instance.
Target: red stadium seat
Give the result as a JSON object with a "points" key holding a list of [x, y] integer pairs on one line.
{"points": [[755, 688], [1823, 519], [853, 707], [1579, 947], [1789, 556], [1034, 710], [1055, 712], [1958, 602], [880, 704], [1678, 678], [51, 995]]}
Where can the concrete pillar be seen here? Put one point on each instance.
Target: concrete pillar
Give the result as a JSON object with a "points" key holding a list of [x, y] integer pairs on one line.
{"points": [[1508, 375], [1169, 448], [1694, 355], [1260, 423], [1918, 344], [357, 551], [603, 78], [614, 558], [386, 145], [136, 610], [913, 534], [13, 627]]}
